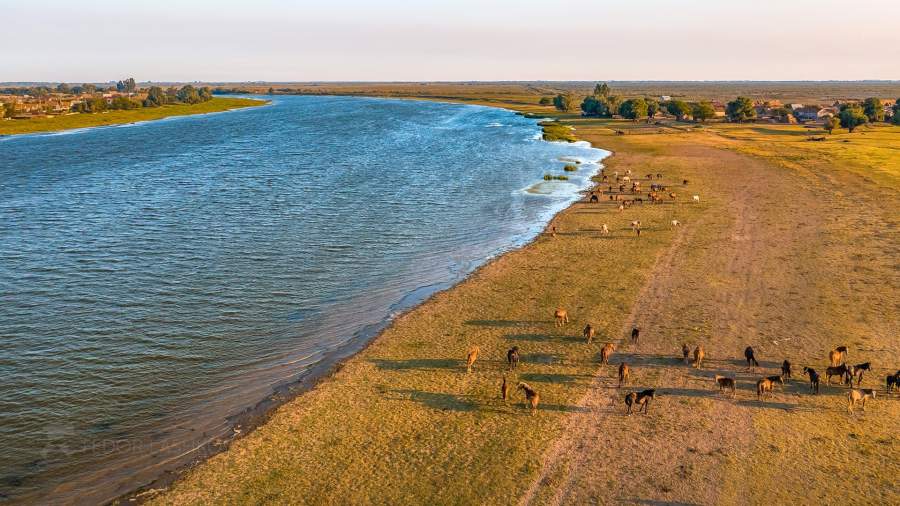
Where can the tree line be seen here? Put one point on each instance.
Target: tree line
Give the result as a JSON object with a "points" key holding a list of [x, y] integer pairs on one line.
{"points": [[603, 103], [156, 96]]}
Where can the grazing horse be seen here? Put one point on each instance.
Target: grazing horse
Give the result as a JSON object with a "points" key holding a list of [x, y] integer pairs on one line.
{"points": [[635, 333], [813, 379], [751, 359], [786, 369], [512, 357], [594, 198], [531, 396], [855, 396], [624, 373], [776, 380], [606, 352], [698, 356], [856, 371], [471, 357], [562, 316], [763, 386], [685, 351], [589, 333], [725, 383], [840, 371], [604, 230], [641, 398], [684, 182]]}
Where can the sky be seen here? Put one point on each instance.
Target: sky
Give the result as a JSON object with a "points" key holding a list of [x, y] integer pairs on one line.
{"points": [[463, 40]]}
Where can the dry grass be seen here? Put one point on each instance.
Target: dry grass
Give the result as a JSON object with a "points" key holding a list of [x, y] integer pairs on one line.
{"points": [[793, 249]]}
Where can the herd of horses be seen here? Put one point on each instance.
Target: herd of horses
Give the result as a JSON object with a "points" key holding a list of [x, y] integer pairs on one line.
{"points": [[838, 367]]}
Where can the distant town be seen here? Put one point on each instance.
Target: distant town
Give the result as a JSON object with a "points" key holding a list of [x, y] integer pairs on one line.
{"points": [[28, 102]]}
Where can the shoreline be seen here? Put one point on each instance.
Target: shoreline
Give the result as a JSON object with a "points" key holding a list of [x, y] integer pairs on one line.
{"points": [[253, 418], [259, 413], [233, 104]]}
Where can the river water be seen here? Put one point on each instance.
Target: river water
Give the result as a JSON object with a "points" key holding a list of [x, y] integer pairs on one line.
{"points": [[158, 278]]}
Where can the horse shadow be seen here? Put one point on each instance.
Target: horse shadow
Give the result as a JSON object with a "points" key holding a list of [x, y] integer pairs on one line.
{"points": [[421, 364]]}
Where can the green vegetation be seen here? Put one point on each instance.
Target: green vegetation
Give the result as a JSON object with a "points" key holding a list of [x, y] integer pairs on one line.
{"points": [[556, 132], [678, 108], [70, 121], [831, 123], [633, 109], [852, 116], [551, 177], [873, 109], [563, 102], [570, 168], [546, 101], [702, 111], [740, 110]]}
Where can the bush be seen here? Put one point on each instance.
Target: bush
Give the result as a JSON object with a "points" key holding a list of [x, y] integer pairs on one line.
{"points": [[557, 132], [546, 101], [570, 168], [551, 177]]}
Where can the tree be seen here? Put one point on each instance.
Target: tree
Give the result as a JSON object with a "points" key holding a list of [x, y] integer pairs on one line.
{"points": [[740, 109], [155, 97], [120, 86], [77, 90], [188, 95], [895, 119], [130, 85], [205, 94], [702, 111], [595, 106], [601, 90], [563, 102], [89, 88], [614, 102], [548, 99], [652, 107], [9, 109], [124, 103], [852, 116], [831, 123], [635, 108], [873, 109], [63, 88], [678, 108]]}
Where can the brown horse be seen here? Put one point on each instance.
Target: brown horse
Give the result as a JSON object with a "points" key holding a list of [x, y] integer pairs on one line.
{"points": [[838, 355], [562, 316], [725, 383], [763, 386], [531, 396], [589, 333], [471, 357], [685, 352], [606, 352], [699, 354], [624, 373], [641, 398]]}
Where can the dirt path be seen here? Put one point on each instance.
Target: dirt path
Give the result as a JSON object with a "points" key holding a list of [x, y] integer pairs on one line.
{"points": [[743, 274]]}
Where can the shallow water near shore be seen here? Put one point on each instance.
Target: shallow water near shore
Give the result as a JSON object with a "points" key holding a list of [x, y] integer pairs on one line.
{"points": [[157, 279]]}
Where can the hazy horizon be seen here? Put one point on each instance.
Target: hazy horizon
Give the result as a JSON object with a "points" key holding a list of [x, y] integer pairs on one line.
{"points": [[354, 41]]}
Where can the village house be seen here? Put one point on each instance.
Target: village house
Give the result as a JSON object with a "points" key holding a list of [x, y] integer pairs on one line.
{"points": [[807, 113]]}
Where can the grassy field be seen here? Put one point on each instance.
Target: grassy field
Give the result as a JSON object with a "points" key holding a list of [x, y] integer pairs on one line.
{"points": [[793, 249], [68, 122]]}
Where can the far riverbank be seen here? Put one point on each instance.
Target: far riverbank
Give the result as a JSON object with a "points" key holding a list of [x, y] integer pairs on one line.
{"points": [[75, 121]]}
